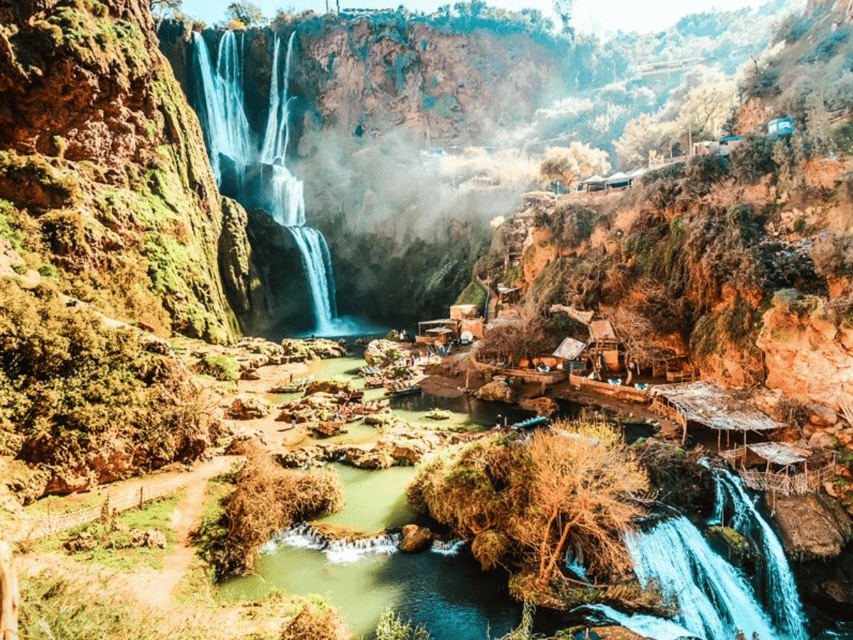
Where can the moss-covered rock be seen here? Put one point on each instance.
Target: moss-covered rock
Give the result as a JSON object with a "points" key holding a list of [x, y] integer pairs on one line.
{"points": [[111, 184]]}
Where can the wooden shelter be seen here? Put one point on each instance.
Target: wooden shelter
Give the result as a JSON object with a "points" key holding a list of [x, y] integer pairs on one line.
{"points": [[787, 468], [438, 331], [568, 354], [708, 404], [605, 349]]}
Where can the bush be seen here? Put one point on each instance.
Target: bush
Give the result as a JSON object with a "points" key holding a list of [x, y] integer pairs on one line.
{"points": [[828, 46], [74, 389], [221, 366], [753, 159], [316, 620], [392, 627], [833, 255], [704, 171], [761, 82], [536, 500], [791, 28], [268, 499]]}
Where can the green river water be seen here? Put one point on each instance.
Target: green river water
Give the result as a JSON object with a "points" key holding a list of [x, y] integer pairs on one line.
{"points": [[442, 588]]}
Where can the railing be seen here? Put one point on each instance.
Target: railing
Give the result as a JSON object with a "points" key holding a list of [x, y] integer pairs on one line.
{"points": [[809, 479], [47, 525], [657, 163]]}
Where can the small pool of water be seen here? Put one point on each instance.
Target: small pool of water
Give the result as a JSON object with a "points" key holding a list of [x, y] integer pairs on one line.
{"points": [[374, 500]]}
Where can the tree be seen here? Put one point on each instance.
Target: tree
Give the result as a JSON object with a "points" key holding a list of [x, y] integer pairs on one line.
{"points": [[571, 163], [564, 10], [247, 14], [162, 9]]}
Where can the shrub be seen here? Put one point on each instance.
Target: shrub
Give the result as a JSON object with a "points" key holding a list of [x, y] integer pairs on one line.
{"points": [[268, 499], [221, 366], [392, 627], [791, 28], [316, 620], [753, 159], [761, 82], [72, 387], [833, 255], [828, 46], [538, 499]]}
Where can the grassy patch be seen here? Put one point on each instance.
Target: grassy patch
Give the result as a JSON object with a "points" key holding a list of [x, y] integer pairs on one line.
{"points": [[114, 538]]}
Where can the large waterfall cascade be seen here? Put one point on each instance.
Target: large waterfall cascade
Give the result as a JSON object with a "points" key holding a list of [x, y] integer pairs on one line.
{"points": [[229, 134], [714, 599]]}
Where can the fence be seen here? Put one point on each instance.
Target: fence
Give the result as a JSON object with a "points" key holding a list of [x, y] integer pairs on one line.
{"points": [[48, 525], [799, 480]]}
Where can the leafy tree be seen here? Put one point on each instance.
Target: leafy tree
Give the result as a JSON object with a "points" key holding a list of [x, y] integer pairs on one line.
{"points": [[162, 9], [564, 10], [247, 14], [571, 163]]}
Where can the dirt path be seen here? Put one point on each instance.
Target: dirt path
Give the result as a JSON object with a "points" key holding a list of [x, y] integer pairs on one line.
{"points": [[156, 588]]}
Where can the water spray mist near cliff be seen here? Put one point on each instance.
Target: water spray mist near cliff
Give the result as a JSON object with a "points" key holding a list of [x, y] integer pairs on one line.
{"points": [[221, 106]]}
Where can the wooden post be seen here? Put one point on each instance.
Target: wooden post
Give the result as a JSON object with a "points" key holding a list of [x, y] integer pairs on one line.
{"points": [[9, 597], [141, 489]]}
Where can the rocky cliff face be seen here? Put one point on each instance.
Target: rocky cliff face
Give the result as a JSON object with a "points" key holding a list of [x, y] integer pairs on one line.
{"points": [[104, 180], [369, 97]]}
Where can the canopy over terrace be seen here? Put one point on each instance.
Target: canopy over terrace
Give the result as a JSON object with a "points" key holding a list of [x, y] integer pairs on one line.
{"points": [[788, 468], [710, 405], [437, 329]]}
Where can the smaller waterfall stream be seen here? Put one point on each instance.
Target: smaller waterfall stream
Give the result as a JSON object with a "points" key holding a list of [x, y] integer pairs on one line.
{"points": [[714, 599], [779, 588]]}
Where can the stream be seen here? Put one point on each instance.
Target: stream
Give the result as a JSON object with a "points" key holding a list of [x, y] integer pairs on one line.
{"points": [[444, 588]]}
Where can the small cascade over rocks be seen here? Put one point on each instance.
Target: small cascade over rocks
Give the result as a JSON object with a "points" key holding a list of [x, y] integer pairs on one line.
{"points": [[221, 105], [714, 600], [450, 548], [347, 551], [304, 536]]}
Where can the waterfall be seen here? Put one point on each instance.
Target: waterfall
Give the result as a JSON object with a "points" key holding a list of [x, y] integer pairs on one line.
{"points": [[221, 100], [779, 587], [714, 600], [221, 106]]}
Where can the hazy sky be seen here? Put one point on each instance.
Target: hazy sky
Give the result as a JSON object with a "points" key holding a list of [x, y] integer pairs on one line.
{"points": [[595, 16]]}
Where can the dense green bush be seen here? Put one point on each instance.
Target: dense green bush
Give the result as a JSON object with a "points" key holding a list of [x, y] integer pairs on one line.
{"points": [[761, 82], [67, 383]]}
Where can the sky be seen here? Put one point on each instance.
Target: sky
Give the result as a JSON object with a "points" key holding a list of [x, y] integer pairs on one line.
{"points": [[590, 16]]}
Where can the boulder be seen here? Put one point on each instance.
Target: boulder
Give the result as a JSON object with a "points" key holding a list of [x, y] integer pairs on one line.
{"points": [[822, 416], [839, 591], [250, 374], [368, 457], [822, 440], [812, 526], [734, 545], [497, 391], [541, 406], [384, 353], [150, 539], [415, 539], [333, 386], [246, 407], [83, 541]]}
